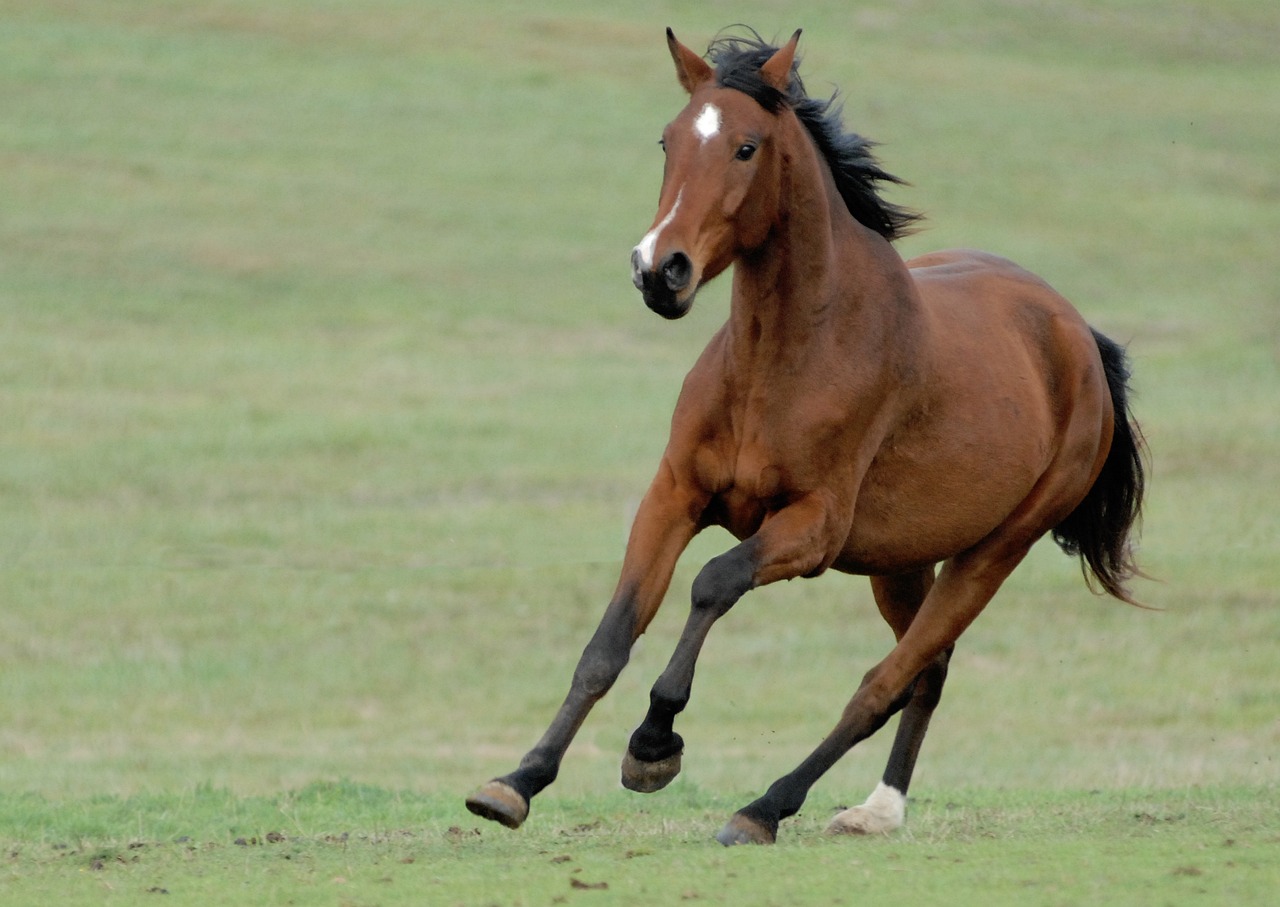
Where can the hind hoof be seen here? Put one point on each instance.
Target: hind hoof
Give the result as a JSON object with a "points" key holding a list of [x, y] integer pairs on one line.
{"points": [[499, 802], [647, 777], [862, 821], [884, 812], [743, 830]]}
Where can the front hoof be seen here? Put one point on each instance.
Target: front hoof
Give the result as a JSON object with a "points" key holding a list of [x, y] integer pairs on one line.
{"points": [[499, 802], [744, 830], [647, 777]]}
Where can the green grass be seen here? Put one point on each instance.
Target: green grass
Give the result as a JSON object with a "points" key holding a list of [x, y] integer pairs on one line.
{"points": [[345, 844], [325, 397]]}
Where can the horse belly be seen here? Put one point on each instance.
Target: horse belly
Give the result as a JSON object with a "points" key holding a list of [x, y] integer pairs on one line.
{"points": [[921, 506]]}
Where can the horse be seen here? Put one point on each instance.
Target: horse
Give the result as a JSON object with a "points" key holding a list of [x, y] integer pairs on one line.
{"points": [[922, 423]]}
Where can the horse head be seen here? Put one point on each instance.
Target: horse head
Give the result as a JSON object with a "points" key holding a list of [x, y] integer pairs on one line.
{"points": [[721, 183]]}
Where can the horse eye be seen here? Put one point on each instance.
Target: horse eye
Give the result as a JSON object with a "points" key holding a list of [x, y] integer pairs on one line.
{"points": [[745, 152]]}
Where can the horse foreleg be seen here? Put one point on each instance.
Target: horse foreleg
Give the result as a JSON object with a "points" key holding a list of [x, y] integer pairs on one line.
{"points": [[653, 754], [789, 544], [506, 799], [663, 527]]}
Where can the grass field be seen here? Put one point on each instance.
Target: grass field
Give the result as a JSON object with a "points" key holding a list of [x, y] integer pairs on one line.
{"points": [[325, 397]]}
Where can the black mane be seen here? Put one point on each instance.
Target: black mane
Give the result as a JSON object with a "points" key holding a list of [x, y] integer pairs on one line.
{"points": [[857, 173]]}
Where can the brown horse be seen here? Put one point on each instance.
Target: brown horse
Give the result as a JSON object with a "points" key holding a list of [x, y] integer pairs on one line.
{"points": [[855, 412]]}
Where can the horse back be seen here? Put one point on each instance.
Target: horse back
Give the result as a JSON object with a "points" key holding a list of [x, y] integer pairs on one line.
{"points": [[992, 328]]}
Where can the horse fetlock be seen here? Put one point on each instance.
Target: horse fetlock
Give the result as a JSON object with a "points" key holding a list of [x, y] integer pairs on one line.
{"points": [[652, 759], [654, 741]]}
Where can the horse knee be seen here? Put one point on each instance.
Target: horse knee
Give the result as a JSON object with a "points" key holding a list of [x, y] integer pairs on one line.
{"points": [[605, 655], [598, 669], [723, 581], [596, 677]]}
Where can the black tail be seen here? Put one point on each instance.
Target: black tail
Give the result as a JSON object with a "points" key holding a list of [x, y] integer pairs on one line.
{"points": [[1098, 530]]}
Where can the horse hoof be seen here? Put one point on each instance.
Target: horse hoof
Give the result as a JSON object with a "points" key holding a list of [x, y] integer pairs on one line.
{"points": [[499, 802], [884, 811], [742, 830], [861, 821], [647, 777]]}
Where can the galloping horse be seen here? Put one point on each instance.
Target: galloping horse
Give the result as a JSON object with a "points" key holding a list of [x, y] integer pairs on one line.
{"points": [[855, 413]]}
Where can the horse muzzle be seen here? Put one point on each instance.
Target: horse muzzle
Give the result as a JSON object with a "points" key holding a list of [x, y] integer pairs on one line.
{"points": [[668, 288]]}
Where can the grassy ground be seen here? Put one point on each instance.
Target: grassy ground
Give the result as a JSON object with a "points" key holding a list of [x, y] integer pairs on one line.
{"points": [[324, 398], [334, 845]]}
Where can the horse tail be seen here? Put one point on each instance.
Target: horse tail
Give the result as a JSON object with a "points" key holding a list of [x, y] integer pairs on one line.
{"points": [[1098, 530]]}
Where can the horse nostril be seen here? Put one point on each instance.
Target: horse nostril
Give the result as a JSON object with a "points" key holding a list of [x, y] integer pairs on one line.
{"points": [[676, 270]]}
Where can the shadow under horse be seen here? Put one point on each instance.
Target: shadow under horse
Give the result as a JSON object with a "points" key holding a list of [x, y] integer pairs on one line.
{"points": [[922, 423]]}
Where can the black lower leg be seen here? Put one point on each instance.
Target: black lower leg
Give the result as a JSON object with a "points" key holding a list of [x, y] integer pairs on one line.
{"points": [[602, 661], [655, 739], [717, 588], [785, 796], [926, 693]]}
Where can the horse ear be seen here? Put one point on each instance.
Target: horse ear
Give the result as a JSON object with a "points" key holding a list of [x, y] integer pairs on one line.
{"points": [[777, 69], [691, 69]]}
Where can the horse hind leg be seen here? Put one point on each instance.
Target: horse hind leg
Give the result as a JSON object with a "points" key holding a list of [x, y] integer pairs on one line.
{"points": [[885, 810], [964, 587], [899, 598]]}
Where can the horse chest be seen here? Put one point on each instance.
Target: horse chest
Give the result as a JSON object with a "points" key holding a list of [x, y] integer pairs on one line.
{"points": [[746, 485]]}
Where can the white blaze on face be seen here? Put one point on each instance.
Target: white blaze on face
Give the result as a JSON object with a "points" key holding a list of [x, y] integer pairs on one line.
{"points": [[707, 125], [650, 241]]}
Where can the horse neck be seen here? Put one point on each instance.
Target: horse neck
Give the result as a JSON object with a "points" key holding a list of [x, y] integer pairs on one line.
{"points": [[818, 278]]}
